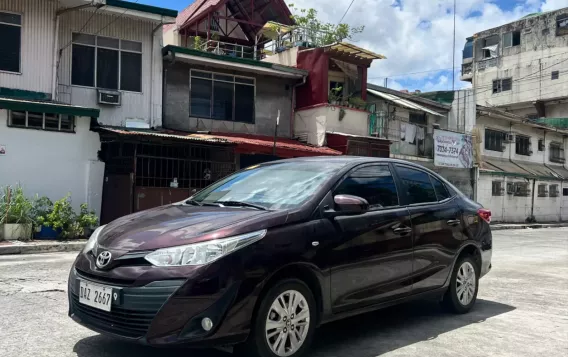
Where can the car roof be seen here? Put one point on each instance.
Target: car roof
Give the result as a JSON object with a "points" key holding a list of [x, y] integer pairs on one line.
{"points": [[347, 160]]}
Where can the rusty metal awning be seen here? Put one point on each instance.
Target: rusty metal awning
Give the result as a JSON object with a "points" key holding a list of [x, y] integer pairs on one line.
{"points": [[498, 165], [403, 102], [349, 49]]}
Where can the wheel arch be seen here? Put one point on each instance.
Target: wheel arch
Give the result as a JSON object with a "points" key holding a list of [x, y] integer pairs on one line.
{"points": [[468, 249], [305, 272]]}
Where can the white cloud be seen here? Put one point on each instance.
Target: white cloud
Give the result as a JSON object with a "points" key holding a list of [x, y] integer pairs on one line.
{"points": [[417, 35], [550, 5]]}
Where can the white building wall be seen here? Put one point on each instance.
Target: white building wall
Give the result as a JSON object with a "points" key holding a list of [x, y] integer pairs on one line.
{"points": [[67, 161], [511, 208], [530, 64], [462, 115], [38, 27], [146, 105]]}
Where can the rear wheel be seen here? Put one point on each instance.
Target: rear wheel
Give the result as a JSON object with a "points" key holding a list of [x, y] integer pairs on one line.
{"points": [[464, 283], [284, 323]]}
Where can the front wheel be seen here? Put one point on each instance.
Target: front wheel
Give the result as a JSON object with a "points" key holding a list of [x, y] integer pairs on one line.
{"points": [[284, 323], [464, 283]]}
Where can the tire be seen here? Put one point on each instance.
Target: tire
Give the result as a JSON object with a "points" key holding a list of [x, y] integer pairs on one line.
{"points": [[257, 344], [460, 303]]}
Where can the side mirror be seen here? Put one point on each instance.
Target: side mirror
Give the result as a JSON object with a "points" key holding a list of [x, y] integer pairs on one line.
{"points": [[348, 204]]}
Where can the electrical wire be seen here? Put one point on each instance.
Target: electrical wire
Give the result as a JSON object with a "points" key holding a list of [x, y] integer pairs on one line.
{"points": [[346, 11]]}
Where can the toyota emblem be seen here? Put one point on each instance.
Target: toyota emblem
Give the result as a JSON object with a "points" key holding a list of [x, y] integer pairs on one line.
{"points": [[103, 259]]}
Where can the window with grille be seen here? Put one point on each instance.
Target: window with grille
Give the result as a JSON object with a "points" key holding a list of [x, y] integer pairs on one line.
{"points": [[11, 45], [215, 21], [222, 97], [41, 121], [502, 85], [553, 190], [555, 75], [562, 25], [522, 145], [522, 189], [542, 190], [556, 153], [565, 191], [106, 63], [494, 140], [497, 188]]}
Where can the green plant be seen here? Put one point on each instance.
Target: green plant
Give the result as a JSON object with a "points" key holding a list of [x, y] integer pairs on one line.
{"points": [[15, 208], [60, 218], [335, 94], [86, 220], [357, 102], [198, 43], [42, 206], [321, 33]]}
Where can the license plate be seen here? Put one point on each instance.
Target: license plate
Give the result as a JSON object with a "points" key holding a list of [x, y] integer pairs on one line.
{"points": [[95, 295]]}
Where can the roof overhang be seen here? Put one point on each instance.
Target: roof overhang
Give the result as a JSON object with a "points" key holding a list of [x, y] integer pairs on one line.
{"points": [[403, 102], [503, 115], [240, 64], [127, 9], [48, 107], [348, 52]]}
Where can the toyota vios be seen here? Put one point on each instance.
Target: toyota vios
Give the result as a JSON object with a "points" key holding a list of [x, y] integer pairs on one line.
{"points": [[261, 258]]}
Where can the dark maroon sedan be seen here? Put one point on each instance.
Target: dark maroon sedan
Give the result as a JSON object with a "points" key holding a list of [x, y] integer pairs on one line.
{"points": [[261, 258]]}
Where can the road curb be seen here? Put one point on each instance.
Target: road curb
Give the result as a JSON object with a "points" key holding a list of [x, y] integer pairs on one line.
{"points": [[41, 248], [500, 227]]}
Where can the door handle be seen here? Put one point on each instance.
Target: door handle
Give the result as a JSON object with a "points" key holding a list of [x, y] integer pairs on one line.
{"points": [[453, 222], [402, 230]]}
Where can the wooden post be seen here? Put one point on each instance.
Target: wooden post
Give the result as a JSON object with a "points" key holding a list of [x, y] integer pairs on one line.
{"points": [[208, 28]]}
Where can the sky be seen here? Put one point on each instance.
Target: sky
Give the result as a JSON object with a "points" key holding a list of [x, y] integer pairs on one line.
{"points": [[416, 36]]}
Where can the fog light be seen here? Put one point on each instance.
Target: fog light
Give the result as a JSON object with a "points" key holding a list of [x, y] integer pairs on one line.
{"points": [[207, 324]]}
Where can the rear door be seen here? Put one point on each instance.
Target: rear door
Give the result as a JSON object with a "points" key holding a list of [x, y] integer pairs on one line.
{"points": [[372, 259], [437, 226]]}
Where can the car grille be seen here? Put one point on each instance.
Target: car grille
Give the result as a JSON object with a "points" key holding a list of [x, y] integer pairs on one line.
{"points": [[133, 316], [123, 322]]}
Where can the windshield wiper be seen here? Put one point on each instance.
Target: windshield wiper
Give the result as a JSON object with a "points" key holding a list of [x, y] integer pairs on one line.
{"points": [[193, 203], [196, 203], [241, 204]]}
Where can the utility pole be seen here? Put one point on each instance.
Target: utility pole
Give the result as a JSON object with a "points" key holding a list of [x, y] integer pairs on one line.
{"points": [[276, 133], [454, 52]]}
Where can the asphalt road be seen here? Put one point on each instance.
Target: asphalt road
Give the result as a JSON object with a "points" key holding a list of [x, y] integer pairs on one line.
{"points": [[522, 310]]}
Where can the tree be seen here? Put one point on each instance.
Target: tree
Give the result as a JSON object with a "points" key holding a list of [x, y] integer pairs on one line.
{"points": [[319, 33]]}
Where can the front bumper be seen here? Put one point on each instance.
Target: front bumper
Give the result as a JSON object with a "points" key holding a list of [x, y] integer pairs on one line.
{"points": [[161, 312]]}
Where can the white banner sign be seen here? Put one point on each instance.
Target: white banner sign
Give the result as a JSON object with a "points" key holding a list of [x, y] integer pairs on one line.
{"points": [[452, 149]]}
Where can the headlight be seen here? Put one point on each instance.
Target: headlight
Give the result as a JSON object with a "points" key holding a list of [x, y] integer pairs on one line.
{"points": [[92, 242], [203, 252]]}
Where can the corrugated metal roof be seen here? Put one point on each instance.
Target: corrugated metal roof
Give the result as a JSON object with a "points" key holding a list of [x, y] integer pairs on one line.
{"points": [[264, 141], [403, 102], [502, 165], [269, 142], [356, 51], [170, 135]]}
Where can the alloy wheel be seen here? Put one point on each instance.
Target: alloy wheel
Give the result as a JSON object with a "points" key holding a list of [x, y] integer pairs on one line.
{"points": [[465, 283], [287, 323]]}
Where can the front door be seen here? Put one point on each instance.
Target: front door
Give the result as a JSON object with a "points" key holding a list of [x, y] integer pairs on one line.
{"points": [[372, 259], [437, 225]]}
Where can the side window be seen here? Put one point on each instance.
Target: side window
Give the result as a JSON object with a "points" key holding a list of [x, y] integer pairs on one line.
{"points": [[441, 190], [417, 184], [373, 183]]}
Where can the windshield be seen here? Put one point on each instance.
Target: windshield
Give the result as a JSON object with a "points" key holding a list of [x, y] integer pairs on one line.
{"points": [[277, 186]]}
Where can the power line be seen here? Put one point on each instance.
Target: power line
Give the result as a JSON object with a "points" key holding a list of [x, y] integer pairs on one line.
{"points": [[454, 51], [346, 11]]}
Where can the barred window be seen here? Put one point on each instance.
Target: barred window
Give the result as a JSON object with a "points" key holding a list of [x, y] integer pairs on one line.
{"points": [[41, 121]]}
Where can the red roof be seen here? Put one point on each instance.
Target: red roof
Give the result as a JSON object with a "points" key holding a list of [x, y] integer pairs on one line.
{"points": [[199, 7], [264, 145], [245, 144]]}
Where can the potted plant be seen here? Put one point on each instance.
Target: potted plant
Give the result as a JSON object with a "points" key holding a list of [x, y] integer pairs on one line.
{"points": [[357, 102], [67, 223], [15, 214], [42, 207], [335, 95], [198, 43]]}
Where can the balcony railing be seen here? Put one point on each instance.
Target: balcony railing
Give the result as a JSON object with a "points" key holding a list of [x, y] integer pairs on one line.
{"points": [[229, 49], [407, 138]]}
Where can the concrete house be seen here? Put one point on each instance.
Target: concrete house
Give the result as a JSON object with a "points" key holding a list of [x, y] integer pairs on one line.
{"points": [[218, 85], [517, 74], [68, 68]]}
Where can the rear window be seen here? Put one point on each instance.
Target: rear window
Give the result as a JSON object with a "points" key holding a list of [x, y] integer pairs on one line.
{"points": [[441, 190], [374, 183], [417, 185]]}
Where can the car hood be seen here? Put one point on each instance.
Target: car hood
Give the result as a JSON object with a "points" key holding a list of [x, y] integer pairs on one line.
{"points": [[173, 225]]}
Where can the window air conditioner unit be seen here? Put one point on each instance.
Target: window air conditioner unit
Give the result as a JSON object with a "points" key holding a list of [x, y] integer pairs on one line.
{"points": [[109, 97], [509, 138]]}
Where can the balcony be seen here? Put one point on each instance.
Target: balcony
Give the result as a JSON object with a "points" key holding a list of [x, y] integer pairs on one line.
{"points": [[467, 71], [230, 49], [408, 139], [487, 63]]}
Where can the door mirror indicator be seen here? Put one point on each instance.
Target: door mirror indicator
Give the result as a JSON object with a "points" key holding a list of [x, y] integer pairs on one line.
{"points": [[348, 204]]}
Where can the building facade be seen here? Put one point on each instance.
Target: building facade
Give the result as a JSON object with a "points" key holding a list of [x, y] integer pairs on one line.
{"points": [[521, 66], [66, 68]]}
